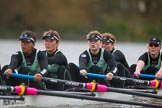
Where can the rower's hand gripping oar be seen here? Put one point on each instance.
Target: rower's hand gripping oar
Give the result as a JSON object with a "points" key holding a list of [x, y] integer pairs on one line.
{"points": [[153, 83]]}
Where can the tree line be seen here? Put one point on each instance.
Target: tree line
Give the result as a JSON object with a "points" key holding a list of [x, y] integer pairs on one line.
{"points": [[129, 20]]}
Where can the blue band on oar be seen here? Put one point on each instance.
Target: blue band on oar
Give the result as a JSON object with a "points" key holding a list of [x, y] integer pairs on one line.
{"points": [[22, 76], [148, 76], [96, 75]]}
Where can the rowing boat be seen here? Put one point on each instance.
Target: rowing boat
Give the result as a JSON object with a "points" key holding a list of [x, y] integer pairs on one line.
{"points": [[73, 99], [48, 101], [103, 95]]}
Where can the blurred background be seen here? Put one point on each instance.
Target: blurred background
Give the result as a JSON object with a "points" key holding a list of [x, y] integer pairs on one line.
{"points": [[128, 20]]}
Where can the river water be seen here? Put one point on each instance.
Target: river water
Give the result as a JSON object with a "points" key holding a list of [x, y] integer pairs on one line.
{"points": [[72, 50]]}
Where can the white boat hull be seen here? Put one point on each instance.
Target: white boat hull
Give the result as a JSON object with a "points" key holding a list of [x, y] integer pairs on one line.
{"points": [[53, 101]]}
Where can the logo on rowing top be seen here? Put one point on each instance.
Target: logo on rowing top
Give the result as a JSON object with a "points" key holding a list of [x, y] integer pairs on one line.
{"points": [[83, 55]]}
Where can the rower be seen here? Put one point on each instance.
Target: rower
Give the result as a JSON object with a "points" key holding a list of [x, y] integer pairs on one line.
{"points": [[95, 60], [108, 43], [1, 81], [27, 61], [57, 61], [150, 62]]}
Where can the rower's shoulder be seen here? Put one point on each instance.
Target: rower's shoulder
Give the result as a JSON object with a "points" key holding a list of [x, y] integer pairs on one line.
{"points": [[16, 53]]}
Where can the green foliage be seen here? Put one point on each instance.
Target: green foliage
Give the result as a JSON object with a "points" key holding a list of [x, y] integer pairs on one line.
{"points": [[74, 19]]}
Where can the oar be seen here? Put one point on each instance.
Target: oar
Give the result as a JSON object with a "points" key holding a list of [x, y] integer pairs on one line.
{"points": [[152, 91], [51, 80], [153, 83], [54, 93], [92, 86], [34, 91], [148, 76]]}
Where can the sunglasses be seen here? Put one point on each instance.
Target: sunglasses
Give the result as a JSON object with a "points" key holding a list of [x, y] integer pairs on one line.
{"points": [[153, 44], [93, 40]]}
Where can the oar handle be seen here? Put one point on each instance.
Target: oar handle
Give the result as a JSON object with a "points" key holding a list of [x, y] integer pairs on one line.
{"points": [[148, 76], [96, 75], [22, 76]]}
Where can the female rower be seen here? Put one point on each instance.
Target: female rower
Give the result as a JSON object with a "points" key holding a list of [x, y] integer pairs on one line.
{"points": [[108, 43], [57, 62], [1, 80], [94, 60], [27, 61], [151, 61]]}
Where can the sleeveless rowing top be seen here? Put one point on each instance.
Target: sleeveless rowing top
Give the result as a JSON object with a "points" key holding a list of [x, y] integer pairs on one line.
{"points": [[53, 68], [101, 63], [149, 64], [34, 68]]}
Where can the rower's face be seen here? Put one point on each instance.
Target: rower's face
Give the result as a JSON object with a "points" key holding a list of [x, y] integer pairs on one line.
{"points": [[94, 44], [108, 46], [154, 48], [27, 46], [50, 45]]}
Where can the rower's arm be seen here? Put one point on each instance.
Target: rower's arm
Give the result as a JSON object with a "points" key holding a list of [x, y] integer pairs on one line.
{"points": [[159, 73], [42, 59], [110, 61], [15, 61], [139, 67], [83, 60]]}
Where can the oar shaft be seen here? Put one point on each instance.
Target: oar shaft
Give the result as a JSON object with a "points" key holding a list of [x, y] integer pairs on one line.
{"points": [[134, 93], [103, 88], [146, 91], [54, 93], [138, 81], [56, 81], [66, 82]]}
